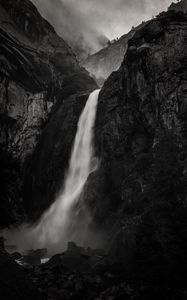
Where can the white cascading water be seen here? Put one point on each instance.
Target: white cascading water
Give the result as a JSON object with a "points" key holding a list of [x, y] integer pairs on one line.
{"points": [[54, 226], [57, 219]]}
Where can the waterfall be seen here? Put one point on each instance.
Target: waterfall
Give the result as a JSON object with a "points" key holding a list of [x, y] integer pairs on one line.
{"points": [[59, 224], [55, 222]]}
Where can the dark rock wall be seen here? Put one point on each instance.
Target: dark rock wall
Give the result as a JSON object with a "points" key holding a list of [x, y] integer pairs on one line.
{"points": [[140, 138], [38, 72]]}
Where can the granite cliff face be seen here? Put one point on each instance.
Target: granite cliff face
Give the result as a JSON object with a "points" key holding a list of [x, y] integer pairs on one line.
{"points": [[38, 71], [138, 194]]}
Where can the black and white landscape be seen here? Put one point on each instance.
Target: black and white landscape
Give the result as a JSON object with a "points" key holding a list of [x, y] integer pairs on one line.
{"points": [[93, 150]]}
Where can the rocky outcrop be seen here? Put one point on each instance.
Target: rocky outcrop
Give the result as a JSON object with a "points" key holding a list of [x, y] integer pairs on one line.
{"points": [[37, 71], [101, 64]]}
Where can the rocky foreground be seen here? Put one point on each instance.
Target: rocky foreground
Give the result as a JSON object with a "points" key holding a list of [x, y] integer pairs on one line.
{"points": [[78, 273]]}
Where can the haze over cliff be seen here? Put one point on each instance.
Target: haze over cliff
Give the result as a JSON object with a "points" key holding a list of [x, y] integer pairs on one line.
{"points": [[86, 26]]}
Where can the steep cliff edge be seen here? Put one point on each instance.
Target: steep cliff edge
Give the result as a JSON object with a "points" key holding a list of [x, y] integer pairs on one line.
{"points": [[138, 194], [38, 71]]}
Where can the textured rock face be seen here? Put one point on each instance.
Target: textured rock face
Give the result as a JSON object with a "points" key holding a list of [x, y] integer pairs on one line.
{"points": [[25, 115], [142, 109], [103, 63], [35, 64], [38, 70]]}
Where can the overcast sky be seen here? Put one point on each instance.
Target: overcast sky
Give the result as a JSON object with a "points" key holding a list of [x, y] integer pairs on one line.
{"points": [[111, 18]]}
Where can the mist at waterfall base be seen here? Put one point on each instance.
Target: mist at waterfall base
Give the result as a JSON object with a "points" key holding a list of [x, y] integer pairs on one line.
{"points": [[67, 219]]}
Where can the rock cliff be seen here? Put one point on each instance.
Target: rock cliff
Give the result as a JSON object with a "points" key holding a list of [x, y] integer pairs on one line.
{"points": [[38, 71], [138, 194]]}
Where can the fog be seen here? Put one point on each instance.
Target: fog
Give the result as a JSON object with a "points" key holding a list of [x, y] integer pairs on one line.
{"points": [[87, 23]]}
